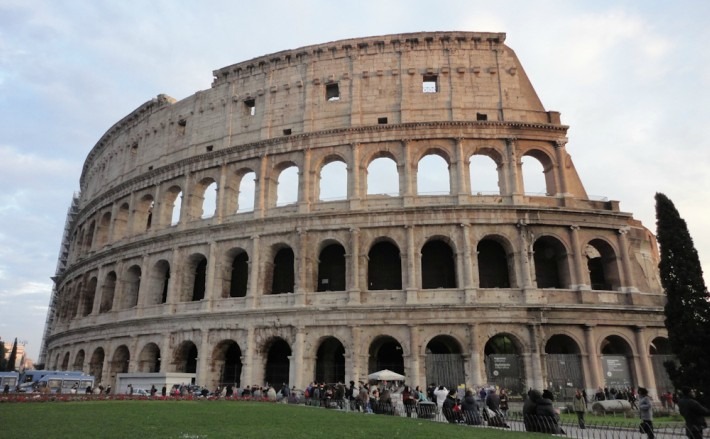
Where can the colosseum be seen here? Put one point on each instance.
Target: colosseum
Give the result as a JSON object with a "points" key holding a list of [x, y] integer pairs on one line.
{"points": [[276, 228]]}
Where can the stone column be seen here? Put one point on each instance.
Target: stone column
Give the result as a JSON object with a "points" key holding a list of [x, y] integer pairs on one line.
{"points": [[355, 177], [302, 269], [525, 250], [476, 377], [410, 267], [407, 185], [535, 360], [305, 183], [166, 364], [580, 271], [414, 378], [221, 195], [175, 284], [515, 175], [627, 281], [186, 204], [203, 357], [594, 379], [297, 364], [359, 372], [111, 227], [561, 177], [354, 268], [253, 292], [469, 265], [642, 362], [130, 226], [261, 191], [212, 286], [463, 184], [133, 363], [248, 359]]}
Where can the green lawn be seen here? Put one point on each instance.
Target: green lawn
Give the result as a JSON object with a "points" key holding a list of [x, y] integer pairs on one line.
{"points": [[216, 419]]}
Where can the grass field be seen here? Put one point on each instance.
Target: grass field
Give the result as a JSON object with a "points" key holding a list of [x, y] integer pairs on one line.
{"points": [[216, 419]]}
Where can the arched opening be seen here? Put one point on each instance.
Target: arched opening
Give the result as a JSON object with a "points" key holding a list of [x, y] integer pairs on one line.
{"points": [[227, 359], [384, 267], [277, 363], [504, 363], [209, 201], [149, 359], [120, 224], [143, 214], [331, 268], [287, 190], [438, 266], [119, 362], [661, 353], [444, 362], [535, 175], [564, 365], [385, 353], [283, 278], [96, 364], [602, 265], [89, 295], [195, 278], [107, 292], [79, 361], [492, 264], [330, 361], [484, 175], [551, 267], [131, 287], [382, 177], [176, 205], [186, 357], [102, 232], [239, 275], [433, 176], [65, 361], [247, 189], [616, 362], [333, 182], [159, 283]]}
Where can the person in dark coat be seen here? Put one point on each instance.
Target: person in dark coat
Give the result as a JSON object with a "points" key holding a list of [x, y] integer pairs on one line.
{"points": [[547, 416], [448, 407], [495, 417], [530, 411], [693, 413], [469, 408]]}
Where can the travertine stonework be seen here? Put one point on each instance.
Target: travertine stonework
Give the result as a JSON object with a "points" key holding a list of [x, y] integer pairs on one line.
{"points": [[336, 289]]}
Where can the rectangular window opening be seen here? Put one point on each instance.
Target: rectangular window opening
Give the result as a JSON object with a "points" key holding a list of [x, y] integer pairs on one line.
{"points": [[429, 84], [250, 105], [481, 116], [209, 148], [382, 120], [332, 92], [287, 132]]}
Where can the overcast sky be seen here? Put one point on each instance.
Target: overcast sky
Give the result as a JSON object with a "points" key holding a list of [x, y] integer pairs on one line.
{"points": [[631, 79]]}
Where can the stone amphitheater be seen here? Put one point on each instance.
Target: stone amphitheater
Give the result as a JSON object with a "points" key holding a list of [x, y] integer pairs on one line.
{"points": [[275, 229]]}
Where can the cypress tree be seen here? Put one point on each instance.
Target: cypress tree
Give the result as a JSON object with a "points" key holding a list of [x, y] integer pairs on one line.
{"points": [[3, 362], [687, 308], [13, 357]]}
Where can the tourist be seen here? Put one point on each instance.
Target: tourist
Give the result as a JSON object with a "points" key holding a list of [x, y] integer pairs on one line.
{"points": [[469, 409], [693, 413], [504, 406], [646, 412], [440, 394], [579, 406]]}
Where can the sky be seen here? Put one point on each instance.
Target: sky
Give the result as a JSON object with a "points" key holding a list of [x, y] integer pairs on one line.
{"points": [[630, 78]]}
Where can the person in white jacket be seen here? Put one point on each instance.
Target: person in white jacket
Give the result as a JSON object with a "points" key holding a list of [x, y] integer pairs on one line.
{"points": [[440, 394]]}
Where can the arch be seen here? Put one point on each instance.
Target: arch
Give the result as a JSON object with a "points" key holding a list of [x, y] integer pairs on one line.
{"points": [[563, 361], [383, 177], [661, 353], [433, 175], [65, 361], [89, 237], [247, 192], [551, 266], [287, 183], [108, 290], [504, 362], [149, 358], [537, 171], [616, 362], [602, 265], [96, 364], [120, 361], [384, 267], [283, 278], [444, 362], [143, 214], [185, 358], [103, 230], [494, 265], [79, 360], [172, 205], [330, 361], [89, 294], [132, 286], [438, 265], [120, 224], [195, 278], [385, 352], [333, 181], [484, 175], [331, 268], [159, 283], [278, 363], [238, 280], [208, 199], [227, 359]]}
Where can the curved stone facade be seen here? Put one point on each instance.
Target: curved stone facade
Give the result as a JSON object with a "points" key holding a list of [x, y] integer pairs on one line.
{"points": [[460, 286]]}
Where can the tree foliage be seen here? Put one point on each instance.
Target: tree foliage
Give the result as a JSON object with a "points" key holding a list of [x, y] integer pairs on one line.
{"points": [[3, 362], [13, 357], [687, 309]]}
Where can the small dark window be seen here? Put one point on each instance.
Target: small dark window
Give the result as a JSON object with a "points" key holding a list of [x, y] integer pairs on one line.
{"points": [[287, 132], [481, 116], [150, 168], [250, 105], [332, 92], [382, 120], [182, 122], [209, 148], [134, 148], [429, 84]]}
